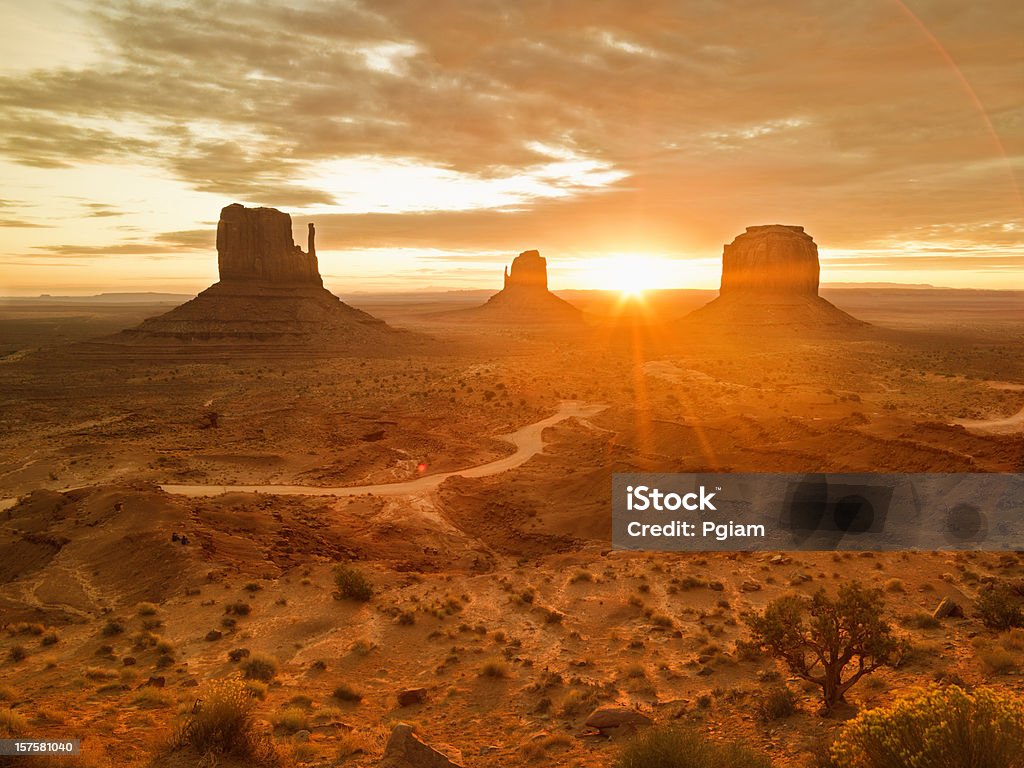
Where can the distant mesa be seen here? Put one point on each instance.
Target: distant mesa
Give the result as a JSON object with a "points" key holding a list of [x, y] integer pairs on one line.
{"points": [[524, 297], [270, 290], [770, 277]]}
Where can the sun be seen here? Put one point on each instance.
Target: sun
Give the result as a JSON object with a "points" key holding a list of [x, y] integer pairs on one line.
{"points": [[633, 274]]}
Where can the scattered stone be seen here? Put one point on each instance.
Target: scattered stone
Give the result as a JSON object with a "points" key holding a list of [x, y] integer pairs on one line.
{"points": [[190, 682], [606, 718], [716, 586], [128, 661], [301, 737], [750, 585], [948, 608], [779, 560], [155, 682], [214, 634], [405, 750], [174, 537], [412, 696]]}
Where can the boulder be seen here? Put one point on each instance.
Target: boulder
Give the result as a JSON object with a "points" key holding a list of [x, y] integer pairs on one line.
{"points": [[405, 750], [605, 718], [412, 696], [947, 608]]}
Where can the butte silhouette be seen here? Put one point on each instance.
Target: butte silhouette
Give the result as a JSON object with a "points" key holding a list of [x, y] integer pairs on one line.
{"points": [[524, 297], [270, 291], [770, 277]]}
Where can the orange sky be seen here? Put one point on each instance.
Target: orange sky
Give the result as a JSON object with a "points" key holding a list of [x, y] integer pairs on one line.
{"points": [[431, 142]]}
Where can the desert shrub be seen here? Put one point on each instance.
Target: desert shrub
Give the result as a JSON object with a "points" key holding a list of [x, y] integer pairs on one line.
{"points": [[223, 723], [260, 667], [352, 584], [17, 653], [999, 606], [146, 609], [50, 638], [12, 723], [346, 692], [776, 704], [494, 669], [238, 609], [924, 621], [582, 575], [938, 728], [998, 660], [291, 719], [112, 627], [819, 636], [153, 698], [674, 747]]}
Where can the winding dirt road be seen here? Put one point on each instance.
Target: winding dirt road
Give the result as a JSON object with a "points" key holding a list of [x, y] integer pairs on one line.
{"points": [[528, 442]]}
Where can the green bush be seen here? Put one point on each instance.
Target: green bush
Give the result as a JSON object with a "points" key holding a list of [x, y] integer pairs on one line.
{"points": [[818, 637], [938, 728], [1000, 607], [352, 584], [674, 747]]}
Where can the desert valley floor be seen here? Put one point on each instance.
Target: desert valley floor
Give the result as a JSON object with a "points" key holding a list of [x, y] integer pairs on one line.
{"points": [[495, 591]]}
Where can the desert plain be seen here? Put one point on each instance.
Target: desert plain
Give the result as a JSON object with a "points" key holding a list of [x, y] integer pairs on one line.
{"points": [[129, 580]]}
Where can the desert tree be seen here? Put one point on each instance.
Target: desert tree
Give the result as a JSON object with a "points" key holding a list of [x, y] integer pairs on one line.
{"points": [[820, 637]]}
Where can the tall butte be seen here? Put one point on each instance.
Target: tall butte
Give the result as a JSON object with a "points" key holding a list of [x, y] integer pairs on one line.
{"points": [[524, 297], [770, 277], [270, 291]]}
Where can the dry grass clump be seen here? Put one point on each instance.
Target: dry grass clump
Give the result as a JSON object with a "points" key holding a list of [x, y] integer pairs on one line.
{"points": [[223, 724], [674, 747], [12, 723], [260, 667]]}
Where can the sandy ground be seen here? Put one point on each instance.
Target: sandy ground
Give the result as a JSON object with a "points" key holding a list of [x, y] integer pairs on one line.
{"points": [[477, 502]]}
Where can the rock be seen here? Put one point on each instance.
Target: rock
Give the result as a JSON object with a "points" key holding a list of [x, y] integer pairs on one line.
{"points": [[301, 737], [524, 297], [270, 294], [750, 585], [412, 696], [779, 560], [775, 258], [128, 661], [405, 750], [947, 607], [605, 718], [155, 682], [190, 682], [770, 277], [256, 244], [214, 634], [529, 272]]}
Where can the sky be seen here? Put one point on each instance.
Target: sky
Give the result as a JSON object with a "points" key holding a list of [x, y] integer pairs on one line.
{"points": [[430, 142]]}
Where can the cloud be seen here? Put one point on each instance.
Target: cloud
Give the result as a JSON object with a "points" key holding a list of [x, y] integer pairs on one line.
{"points": [[704, 117], [20, 223]]}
